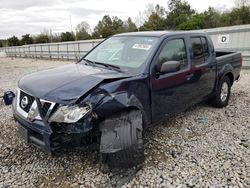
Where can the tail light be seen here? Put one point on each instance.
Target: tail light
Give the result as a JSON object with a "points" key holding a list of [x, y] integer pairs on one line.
{"points": [[241, 60]]}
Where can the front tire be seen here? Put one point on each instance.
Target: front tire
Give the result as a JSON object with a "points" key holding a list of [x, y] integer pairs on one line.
{"points": [[122, 140], [223, 93]]}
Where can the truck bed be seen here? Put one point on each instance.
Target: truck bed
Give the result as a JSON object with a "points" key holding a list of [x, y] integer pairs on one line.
{"points": [[230, 59], [224, 54]]}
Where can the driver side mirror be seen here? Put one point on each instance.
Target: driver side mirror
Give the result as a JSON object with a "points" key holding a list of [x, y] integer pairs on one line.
{"points": [[170, 66]]}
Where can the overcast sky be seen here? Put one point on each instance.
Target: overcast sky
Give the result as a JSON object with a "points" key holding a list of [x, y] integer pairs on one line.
{"points": [[19, 17]]}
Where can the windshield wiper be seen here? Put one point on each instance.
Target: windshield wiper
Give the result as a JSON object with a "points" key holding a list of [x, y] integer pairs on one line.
{"points": [[108, 65], [113, 67], [88, 62]]}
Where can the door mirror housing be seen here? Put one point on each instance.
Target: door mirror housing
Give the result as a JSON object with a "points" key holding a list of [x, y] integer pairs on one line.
{"points": [[170, 66]]}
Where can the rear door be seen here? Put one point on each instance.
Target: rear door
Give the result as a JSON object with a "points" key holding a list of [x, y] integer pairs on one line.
{"points": [[203, 72]]}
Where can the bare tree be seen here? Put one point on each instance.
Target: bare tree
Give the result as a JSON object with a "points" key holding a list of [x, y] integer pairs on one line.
{"points": [[83, 26], [143, 16], [139, 20], [83, 31], [242, 3]]}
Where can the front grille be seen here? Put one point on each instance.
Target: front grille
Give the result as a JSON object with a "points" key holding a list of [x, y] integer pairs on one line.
{"points": [[40, 107], [30, 100], [45, 108]]}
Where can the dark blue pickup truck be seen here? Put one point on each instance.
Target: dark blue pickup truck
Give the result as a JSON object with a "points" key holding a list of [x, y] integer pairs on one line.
{"points": [[127, 83]]}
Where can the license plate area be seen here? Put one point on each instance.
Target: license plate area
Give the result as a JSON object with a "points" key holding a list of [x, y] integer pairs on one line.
{"points": [[23, 132]]}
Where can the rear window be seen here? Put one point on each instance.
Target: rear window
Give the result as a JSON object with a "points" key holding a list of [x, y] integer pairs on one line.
{"points": [[200, 50]]}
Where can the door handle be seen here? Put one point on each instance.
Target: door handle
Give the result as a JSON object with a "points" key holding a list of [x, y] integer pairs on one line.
{"points": [[189, 76]]}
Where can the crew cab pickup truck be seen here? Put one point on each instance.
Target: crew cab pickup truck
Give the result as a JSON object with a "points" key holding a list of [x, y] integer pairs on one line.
{"points": [[127, 83]]}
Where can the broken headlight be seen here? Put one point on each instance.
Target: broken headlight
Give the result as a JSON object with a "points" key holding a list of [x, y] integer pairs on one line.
{"points": [[70, 114]]}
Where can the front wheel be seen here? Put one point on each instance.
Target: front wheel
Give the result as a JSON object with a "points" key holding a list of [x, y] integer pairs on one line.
{"points": [[223, 93], [122, 140]]}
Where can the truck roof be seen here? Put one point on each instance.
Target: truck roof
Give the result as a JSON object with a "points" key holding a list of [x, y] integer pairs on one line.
{"points": [[158, 33]]}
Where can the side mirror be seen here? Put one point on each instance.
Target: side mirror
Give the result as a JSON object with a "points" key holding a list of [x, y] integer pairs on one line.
{"points": [[170, 66]]}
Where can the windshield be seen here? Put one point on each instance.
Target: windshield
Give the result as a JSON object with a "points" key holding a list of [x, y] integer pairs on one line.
{"points": [[129, 53]]}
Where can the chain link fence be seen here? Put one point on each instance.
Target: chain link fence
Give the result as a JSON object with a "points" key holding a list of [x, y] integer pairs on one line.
{"points": [[63, 50]]}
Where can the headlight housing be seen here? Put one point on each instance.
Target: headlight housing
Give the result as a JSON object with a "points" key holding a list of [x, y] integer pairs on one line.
{"points": [[70, 114]]}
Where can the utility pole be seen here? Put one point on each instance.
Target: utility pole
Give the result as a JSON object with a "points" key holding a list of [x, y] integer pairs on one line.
{"points": [[50, 35]]}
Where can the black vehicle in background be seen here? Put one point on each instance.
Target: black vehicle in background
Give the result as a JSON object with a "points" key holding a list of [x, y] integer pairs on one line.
{"points": [[127, 83]]}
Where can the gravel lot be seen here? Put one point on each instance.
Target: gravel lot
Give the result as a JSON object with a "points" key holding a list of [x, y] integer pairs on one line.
{"points": [[203, 147]]}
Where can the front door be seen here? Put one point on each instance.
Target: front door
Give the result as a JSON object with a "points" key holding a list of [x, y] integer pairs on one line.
{"points": [[171, 91]]}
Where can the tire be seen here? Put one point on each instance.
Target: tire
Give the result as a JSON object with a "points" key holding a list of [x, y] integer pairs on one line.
{"points": [[121, 143], [223, 93]]}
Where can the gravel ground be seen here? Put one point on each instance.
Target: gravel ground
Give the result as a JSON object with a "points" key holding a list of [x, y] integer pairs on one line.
{"points": [[203, 147]]}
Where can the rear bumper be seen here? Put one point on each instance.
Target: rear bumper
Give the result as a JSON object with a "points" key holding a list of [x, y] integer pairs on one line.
{"points": [[42, 136]]}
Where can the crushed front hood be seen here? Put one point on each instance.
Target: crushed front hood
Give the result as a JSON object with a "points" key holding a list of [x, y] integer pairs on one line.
{"points": [[67, 83]]}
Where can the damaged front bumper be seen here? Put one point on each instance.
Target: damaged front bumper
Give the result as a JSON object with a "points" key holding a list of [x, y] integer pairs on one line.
{"points": [[56, 138], [34, 133]]}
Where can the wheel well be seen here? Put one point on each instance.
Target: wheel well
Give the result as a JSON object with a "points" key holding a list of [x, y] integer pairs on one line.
{"points": [[231, 77], [145, 120], [132, 108]]}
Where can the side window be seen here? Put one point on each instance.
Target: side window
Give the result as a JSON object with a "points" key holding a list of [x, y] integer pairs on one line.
{"points": [[205, 47], [174, 50], [198, 57], [200, 50]]}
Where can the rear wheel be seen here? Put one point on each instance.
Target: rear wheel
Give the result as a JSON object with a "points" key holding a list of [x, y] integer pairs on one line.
{"points": [[122, 140], [223, 93]]}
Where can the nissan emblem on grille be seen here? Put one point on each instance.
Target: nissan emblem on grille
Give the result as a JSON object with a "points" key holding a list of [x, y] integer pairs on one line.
{"points": [[24, 102]]}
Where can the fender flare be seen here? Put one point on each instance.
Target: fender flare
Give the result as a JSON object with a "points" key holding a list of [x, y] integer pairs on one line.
{"points": [[226, 69]]}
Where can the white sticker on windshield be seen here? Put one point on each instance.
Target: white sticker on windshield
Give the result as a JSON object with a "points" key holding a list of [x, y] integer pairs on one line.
{"points": [[142, 46]]}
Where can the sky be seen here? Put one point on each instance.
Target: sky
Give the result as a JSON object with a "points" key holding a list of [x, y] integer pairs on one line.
{"points": [[18, 17]]}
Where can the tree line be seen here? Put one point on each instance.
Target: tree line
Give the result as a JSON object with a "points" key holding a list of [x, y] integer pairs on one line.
{"points": [[179, 16]]}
